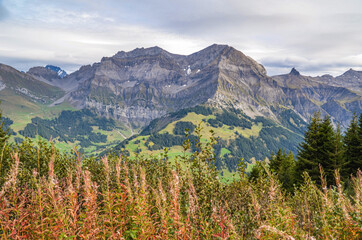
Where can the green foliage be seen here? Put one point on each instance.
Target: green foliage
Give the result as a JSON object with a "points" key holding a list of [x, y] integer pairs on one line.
{"points": [[231, 119], [157, 125], [181, 126], [291, 120], [163, 140], [271, 136], [353, 144], [283, 165], [257, 171], [309, 150], [47, 195], [7, 122], [323, 147], [70, 126]]}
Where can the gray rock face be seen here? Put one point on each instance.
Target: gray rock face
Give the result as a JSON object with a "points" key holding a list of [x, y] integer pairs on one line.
{"points": [[144, 84], [309, 94], [351, 79], [43, 74], [68, 83]]}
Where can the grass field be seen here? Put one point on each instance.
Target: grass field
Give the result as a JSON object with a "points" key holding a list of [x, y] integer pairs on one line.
{"points": [[224, 132], [20, 110]]}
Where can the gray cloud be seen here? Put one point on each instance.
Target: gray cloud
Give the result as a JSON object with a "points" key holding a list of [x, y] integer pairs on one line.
{"points": [[314, 36]]}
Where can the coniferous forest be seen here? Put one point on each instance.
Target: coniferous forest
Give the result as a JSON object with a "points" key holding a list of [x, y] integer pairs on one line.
{"points": [[317, 194]]}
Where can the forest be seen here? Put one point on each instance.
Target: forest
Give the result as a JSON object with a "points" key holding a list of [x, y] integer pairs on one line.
{"points": [[47, 194], [70, 126]]}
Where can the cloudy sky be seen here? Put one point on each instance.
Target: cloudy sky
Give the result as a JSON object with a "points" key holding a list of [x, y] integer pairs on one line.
{"points": [[315, 36]]}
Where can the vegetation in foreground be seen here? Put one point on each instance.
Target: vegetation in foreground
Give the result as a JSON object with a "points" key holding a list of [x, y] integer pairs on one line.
{"points": [[48, 195]]}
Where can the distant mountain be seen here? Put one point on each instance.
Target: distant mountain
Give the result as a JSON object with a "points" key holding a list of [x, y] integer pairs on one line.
{"points": [[145, 84], [309, 94], [26, 86], [60, 72], [351, 79], [143, 89], [148, 83]]}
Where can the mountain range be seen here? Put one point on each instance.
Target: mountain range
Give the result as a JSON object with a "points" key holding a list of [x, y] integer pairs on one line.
{"points": [[145, 85]]}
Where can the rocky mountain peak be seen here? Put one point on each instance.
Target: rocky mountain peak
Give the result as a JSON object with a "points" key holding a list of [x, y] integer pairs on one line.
{"points": [[139, 52], [294, 72], [327, 76], [146, 83], [43, 72], [60, 72], [351, 72]]}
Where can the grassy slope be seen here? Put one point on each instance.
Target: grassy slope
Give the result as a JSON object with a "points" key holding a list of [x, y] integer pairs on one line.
{"points": [[225, 133], [19, 109], [17, 80]]}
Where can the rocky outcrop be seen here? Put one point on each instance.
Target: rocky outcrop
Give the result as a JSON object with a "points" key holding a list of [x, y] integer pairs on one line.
{"points": [[351, 80], [44, 74], [310, 94], [144, 84]]}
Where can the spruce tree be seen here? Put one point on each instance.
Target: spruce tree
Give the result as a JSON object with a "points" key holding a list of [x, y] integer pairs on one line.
{"points": [[287, 172], [360, 135], [309, 151], [352, 145], [276, 160], [4, 151], [327, 142], [4, 133], [338, 161], [283, 166]]}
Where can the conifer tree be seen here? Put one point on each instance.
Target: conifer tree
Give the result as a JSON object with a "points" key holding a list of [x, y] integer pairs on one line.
{"points": [[327, 145], [4, 133], [283, 166], [322, 146], [276, 161], [352, 144], [4, 158], [360, 135], [337, 160], [309, 150]]}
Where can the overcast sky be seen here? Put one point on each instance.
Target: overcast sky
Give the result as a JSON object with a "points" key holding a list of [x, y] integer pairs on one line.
{"points": [[315, 36]]}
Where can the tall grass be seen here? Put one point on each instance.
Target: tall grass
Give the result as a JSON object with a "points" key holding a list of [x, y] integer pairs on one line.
{"points": [[148, 198]]}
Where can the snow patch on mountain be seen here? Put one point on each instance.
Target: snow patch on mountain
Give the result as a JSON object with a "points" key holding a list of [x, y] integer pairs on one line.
{"points": [[61, 73]]}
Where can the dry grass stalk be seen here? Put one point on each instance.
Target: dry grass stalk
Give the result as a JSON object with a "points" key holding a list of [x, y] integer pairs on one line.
{"points": [[280, 234], [90, 227], [12, 176]]}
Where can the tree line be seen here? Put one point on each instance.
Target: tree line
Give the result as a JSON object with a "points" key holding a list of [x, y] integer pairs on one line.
{"points": [[322, 151]]}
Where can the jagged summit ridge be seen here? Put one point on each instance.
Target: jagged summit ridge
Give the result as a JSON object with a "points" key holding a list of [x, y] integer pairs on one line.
{"points": [[147, 83], [294, 72], [138, 52]]}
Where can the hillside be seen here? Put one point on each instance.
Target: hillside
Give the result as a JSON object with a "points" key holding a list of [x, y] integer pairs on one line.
{"points": [[309, 94], [238, 136], [26, 86], [145, 84], [150, 87]]}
